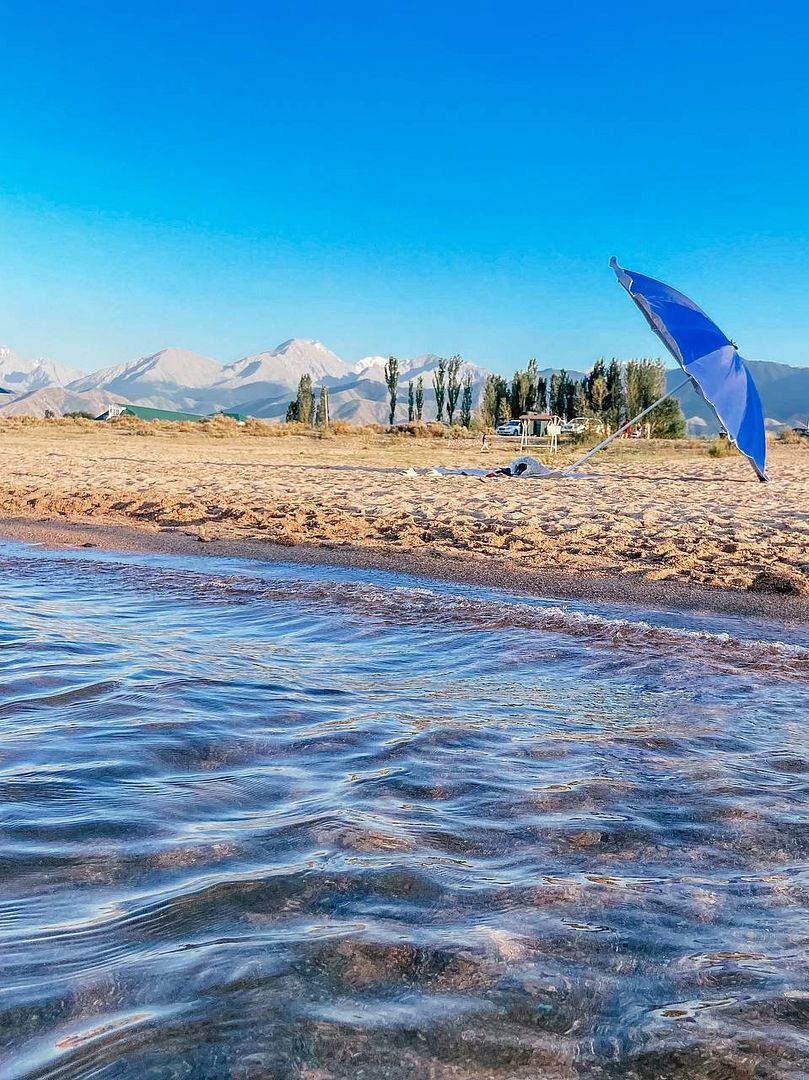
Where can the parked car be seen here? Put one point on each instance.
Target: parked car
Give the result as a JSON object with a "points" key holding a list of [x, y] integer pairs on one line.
{"points": [[510, 427], [575, 426], [579, 424]]}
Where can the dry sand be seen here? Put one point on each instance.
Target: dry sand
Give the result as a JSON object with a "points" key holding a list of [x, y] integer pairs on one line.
{"points": [[643, 514]]}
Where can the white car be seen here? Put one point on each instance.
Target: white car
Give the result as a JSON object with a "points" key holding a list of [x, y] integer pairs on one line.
{"points": [[510, 427], [576, 426]]}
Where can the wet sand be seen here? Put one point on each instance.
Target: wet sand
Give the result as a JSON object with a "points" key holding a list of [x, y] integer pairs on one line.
{"points": [[492, 572], [644, 524]]}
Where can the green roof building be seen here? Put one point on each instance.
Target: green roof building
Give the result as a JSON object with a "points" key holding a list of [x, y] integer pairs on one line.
{"points": [[142, 412]]}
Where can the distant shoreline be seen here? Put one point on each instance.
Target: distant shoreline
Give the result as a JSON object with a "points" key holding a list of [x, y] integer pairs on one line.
{"points": [[469, 569]]}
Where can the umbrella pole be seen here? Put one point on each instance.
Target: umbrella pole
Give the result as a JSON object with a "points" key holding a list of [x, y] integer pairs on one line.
{"points": [[624, 427]]}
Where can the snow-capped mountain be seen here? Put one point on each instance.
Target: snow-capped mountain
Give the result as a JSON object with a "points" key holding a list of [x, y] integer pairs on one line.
{"points": [[367, 363], [169, 379], [19, 375], [283, 367], [264, 383]]}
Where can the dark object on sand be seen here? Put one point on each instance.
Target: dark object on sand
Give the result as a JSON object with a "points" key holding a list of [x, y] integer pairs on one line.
{"points": [[785, 581]]}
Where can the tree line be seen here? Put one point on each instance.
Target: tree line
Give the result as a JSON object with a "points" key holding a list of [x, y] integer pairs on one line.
{"points": [[453, 393], [448, 386], [611, 393]]}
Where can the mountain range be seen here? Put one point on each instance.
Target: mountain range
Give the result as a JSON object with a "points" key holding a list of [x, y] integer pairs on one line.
{"points": [[264, 383]]}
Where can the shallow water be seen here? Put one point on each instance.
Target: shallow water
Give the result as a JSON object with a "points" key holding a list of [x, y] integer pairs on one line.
{"points": [[278, 821]]}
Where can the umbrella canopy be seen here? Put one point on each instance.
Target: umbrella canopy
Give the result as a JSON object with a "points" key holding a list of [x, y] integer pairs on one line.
{"points": [[710, 359]]}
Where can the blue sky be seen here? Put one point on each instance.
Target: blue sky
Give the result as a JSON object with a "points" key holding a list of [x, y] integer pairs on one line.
{"points": [[399, 178]]}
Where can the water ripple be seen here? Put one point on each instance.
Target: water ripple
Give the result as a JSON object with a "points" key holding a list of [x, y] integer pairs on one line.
{"points": [[289, 822]]}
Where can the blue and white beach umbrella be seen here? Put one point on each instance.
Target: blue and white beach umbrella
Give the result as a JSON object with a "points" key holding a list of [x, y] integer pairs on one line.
{"points": [[711, 361]]}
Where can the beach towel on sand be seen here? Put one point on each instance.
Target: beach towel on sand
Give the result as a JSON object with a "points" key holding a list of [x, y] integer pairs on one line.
{"points": [[521, 466]]}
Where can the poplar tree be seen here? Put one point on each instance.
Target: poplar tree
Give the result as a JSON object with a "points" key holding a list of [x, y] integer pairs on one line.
{"points": [[561, 389], [466, 400], [453, 385], [520, 392], [322, 414], [597, 394], [440, 388], [392, 382], [553, 395], [503, 399], [667, 421], [488, 402], [614, 403], [411, 403], [565, 390], [419, 396], [596, 385], [633, 389], [305, 400], [503, 409], [644, 382], [578, 400], [532, 391], [566, 394]]}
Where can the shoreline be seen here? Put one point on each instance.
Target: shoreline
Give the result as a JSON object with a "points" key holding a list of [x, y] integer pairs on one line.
{"points": [[491, 572], [677, 530]]}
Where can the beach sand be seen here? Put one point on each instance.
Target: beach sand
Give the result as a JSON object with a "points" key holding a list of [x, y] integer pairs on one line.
{"points": [[642, 515]]}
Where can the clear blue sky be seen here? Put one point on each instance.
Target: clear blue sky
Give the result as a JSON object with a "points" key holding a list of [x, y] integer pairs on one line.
{"points": [[399, 177]]}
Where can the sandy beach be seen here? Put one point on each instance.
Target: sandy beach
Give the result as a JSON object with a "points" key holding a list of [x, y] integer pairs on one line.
{"points": [[643, 516]]}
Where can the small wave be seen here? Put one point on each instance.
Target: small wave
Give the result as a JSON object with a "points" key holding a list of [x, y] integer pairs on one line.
{"points": [[419, 607]]}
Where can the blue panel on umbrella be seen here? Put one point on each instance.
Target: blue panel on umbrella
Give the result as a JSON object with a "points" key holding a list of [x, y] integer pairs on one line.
{"points": [[710, 358]]}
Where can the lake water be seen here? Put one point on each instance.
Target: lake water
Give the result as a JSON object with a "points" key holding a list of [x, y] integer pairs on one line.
{"points": [[269, 821]]}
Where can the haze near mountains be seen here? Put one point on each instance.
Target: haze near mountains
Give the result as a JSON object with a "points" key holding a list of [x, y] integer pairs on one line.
{"points": [[264, 383]]}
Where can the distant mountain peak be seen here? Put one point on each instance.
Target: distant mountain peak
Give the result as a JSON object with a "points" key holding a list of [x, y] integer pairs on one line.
{"points": [[21, 375], [284, 365], [263, 384], [169, 369], [304, 344]]}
